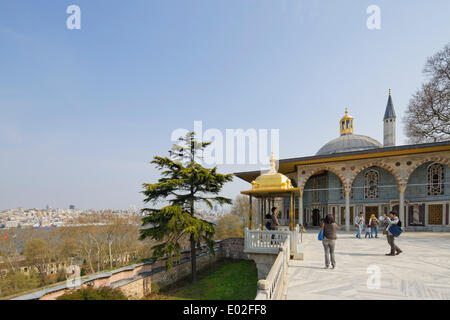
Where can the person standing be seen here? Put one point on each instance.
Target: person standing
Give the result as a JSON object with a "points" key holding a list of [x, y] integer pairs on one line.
{"points": [[373, 224], [368, 232], [360, 224], [274, 224], [392, 220], [329, 240]]}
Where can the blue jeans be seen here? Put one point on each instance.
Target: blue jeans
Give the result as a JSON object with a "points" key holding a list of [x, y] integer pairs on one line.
{"points": [[358, 235], [376, 231]]}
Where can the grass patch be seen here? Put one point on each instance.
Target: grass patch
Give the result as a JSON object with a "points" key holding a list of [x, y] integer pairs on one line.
{"points": [[225, 280]]}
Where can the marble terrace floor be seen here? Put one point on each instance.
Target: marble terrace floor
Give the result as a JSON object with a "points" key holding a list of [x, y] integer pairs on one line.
{"points": [[363, 271]]}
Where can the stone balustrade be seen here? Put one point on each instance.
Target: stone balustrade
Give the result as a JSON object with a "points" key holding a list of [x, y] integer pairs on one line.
{"points": [[274, 287], [264, 241], [271, 250]]}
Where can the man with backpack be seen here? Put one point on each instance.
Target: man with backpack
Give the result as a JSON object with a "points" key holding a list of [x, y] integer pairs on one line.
{"points": [[391, 221]]}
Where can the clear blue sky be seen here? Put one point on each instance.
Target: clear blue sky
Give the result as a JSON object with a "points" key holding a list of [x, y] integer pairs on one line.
{"points": [[84, 111]]}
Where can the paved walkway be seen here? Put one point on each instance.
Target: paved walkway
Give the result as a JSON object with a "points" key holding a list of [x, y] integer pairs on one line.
{"points": [[422, 271]]}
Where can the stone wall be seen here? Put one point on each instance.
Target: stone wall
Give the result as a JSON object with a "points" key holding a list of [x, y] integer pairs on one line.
{"points": [[164, 278], [234, 248]]}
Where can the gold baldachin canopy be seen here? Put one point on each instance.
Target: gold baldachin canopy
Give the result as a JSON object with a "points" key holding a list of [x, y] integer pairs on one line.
{"points": [[272, 179]]}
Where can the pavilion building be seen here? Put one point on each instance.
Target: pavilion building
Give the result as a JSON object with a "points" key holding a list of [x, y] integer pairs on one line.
{"points": [[355, 173]]}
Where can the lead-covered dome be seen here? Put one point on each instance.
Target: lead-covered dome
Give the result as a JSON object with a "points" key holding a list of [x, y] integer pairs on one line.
{"points": [[349, 142]]}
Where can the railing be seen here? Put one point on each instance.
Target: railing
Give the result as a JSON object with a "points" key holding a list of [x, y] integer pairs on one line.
{"points": [[264, 241], [274, 286]]}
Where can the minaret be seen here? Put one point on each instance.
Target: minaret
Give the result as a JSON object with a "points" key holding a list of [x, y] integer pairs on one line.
{"points": [[389, 124]]}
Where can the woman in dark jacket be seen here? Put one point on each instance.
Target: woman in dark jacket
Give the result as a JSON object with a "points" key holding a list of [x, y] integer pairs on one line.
{"points": [[329, 240]]}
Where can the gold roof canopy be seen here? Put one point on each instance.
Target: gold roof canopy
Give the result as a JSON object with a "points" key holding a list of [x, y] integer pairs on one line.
{"points": [[272, 182]]}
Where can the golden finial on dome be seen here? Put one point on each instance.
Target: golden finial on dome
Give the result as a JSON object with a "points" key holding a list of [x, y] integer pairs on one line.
{"points": [[389, 91]]}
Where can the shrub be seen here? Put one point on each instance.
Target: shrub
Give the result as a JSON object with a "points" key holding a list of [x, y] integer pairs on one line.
{"points": [[103, 293]]}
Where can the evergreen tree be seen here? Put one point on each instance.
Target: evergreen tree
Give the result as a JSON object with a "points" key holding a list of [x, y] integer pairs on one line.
{"points": [[184, 183]]}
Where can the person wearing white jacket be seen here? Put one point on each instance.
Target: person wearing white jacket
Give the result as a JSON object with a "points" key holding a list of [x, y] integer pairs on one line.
{"points": [[391, 220], [360, 224]]}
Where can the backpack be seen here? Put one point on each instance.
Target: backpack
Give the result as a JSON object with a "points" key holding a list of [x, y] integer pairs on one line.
{"points": [[268, 225], [268, 216], [395, 230]]}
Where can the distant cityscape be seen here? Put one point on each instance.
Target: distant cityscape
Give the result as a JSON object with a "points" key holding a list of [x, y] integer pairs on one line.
{"points": [[57, 217]]}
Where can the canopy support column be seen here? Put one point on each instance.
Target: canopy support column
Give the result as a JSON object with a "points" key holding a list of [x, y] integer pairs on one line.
{"points": [[250, 214], [262, 213]]}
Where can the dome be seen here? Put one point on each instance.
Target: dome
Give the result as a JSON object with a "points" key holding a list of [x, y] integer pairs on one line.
{"points": [[272, 180], [347, 143]]}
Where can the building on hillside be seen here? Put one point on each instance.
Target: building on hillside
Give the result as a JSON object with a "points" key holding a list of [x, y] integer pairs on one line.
{"points": [[355, 173]]}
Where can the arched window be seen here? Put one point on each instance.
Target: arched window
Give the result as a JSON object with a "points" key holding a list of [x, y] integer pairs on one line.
{"points": [[435, 178], [371, 184], [315, 187]]}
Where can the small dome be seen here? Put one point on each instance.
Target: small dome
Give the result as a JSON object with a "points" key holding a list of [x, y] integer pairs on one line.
{"points": [[346, 123], [272, 180], [347, 143]]}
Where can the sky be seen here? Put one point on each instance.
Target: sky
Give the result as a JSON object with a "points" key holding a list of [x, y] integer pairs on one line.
{"points": [[83, 112]]}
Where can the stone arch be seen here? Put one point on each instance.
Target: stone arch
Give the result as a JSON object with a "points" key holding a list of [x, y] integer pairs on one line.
{"points": [[307, 176], [417, 164], [380, 164]]}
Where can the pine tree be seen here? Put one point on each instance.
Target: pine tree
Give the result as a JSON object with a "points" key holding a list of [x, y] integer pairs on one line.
{"points": [[183, 184]]}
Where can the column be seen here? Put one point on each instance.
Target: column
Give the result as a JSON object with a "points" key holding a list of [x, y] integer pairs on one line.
{"points": [[300, 209], [347, 211], [291, 212], [401, 205], [263, 213], [250, 213]]}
